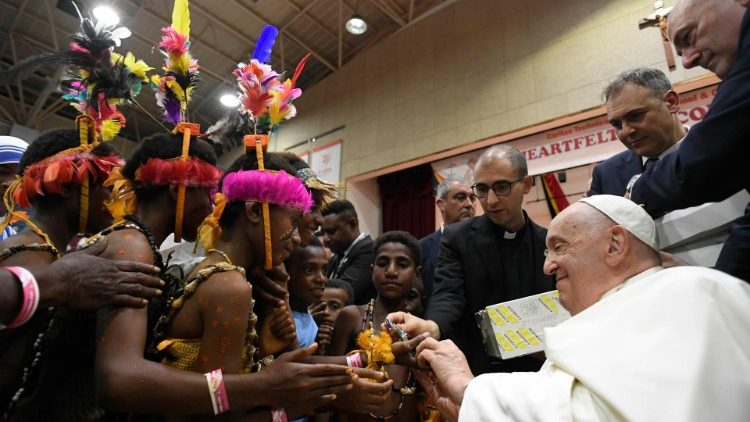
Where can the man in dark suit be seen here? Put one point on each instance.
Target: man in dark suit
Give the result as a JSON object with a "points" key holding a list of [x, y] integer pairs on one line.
{"points": [[353, 255], [484, 260], [642, 108], [711, 163], [455, 200]]}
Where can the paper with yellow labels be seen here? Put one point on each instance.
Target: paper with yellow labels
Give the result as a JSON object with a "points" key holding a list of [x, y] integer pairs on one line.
{"points": [[516, 328]]}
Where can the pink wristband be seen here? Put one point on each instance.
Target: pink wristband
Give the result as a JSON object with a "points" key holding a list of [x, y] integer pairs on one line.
{"points": [[278, 415], [354, 360], [30, 301], [219, 398]]}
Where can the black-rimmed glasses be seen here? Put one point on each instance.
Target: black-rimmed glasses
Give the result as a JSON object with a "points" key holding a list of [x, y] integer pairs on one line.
{"points": [[501, 188]]}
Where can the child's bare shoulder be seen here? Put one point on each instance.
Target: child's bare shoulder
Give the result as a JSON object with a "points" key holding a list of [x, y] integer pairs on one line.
{"points": [[351, 311]]}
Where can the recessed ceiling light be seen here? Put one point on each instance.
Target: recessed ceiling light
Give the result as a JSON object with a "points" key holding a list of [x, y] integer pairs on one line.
{"points": [[356, 25], [229, 100], [106, 15]]}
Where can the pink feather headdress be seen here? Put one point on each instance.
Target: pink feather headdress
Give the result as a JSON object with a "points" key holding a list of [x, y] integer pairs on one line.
{"points": [[273, 187]]}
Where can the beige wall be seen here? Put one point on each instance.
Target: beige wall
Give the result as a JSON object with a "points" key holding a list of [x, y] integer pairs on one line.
{"points": [[476, 69]]}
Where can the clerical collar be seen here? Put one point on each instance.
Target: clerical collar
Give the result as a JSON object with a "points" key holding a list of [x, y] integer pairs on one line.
{"points": [[508, 235], [668, 150], [641, 275]]}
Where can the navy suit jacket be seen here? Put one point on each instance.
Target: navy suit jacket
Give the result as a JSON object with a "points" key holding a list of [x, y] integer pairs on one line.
{"points": [[430, 246], [711, 163], [612, 175]]}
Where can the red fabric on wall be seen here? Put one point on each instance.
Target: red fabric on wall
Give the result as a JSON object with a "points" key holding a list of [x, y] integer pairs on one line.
{"points": [[407, 201]]}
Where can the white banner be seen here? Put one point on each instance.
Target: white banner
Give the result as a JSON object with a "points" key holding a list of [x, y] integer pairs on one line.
{"points": [[325, 161]]}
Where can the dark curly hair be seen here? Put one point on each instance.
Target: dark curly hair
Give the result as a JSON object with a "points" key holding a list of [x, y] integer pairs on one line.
{"points": [[340, 206], [249, 161], [404, 238], [164, 146], [335, 283], [54, 141]]}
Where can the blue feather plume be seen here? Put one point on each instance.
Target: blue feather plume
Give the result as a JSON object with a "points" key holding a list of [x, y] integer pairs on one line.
{"points": [[265, 43]]}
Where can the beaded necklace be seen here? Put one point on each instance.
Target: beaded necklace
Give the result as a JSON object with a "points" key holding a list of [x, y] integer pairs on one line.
{"points": [[172, 284], [409, 387]]}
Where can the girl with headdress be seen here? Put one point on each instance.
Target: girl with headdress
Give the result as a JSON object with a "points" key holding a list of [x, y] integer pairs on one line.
{"points": [[61, 179], [322, 193], [212, 324], [128, 381]]}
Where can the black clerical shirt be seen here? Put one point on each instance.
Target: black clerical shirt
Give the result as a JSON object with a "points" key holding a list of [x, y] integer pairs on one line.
{"points": [[478, 266]]}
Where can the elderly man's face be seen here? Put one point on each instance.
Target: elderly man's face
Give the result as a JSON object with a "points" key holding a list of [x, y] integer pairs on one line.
{"points": [[706, 33], [645, 123], [505, 211], [575, 255], [458, 204]]}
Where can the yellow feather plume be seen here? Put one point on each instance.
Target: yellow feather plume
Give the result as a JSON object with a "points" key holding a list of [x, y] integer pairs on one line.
{"points": [[181, 17]]}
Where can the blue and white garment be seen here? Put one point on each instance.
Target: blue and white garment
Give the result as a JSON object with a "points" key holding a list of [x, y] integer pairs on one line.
{"points": [[11, 149], [8, 232], [307, 329]]}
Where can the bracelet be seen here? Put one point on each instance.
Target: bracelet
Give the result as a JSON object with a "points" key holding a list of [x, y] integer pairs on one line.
{"points": [[218, 392], [30, 292], [278, 415], [354, 359]]}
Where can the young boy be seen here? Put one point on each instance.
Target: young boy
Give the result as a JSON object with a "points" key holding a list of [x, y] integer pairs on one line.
{"points": [[307, 280], [337, 295], [396, 272]]}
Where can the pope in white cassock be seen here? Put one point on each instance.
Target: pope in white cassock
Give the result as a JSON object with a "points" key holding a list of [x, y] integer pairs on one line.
{"points": [[644, 343]]}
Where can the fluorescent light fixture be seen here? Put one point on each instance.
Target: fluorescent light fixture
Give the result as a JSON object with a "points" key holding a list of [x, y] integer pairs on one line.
{"points": [[106, 15], [356, 25], [229, 100]]}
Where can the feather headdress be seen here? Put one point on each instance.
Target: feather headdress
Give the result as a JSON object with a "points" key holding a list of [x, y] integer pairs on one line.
{"points": [[175, 86], [264, 98], [101, 80]]}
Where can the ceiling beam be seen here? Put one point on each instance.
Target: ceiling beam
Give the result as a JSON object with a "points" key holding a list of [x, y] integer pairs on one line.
{"points": [[291, 36], [5, 113], [13, 24], [247, 39], [19, 84], [341, 32], [393, 5], [312, 19], [388, 12], [52, 82]]}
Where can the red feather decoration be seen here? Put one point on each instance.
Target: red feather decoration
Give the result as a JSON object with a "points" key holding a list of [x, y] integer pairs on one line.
{"points": [[298, 70]]}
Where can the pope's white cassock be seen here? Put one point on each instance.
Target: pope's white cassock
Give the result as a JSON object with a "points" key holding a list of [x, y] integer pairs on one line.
{"points": [[667, 345]]}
